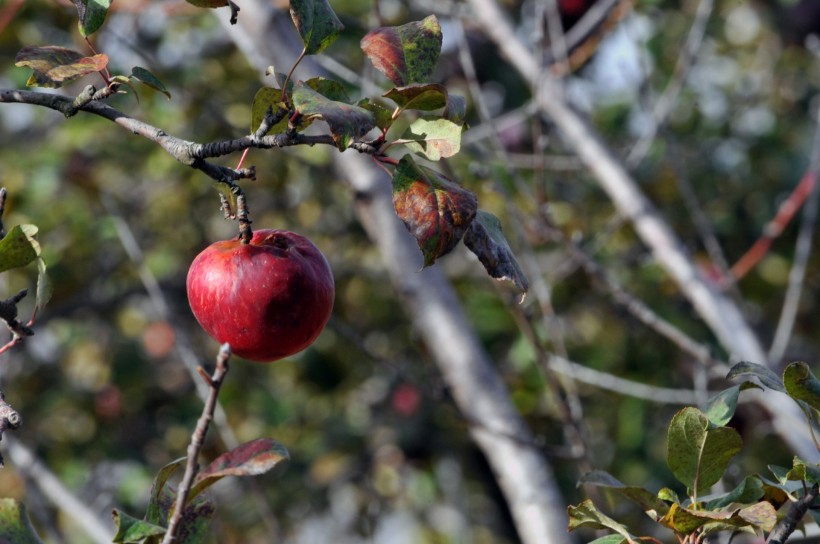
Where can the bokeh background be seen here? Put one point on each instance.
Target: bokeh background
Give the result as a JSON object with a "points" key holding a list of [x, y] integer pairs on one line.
{"points": [[379, 452]]}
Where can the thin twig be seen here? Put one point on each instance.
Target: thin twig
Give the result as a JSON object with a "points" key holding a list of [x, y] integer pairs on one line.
{"points": [[9, 419], [197, 441]]}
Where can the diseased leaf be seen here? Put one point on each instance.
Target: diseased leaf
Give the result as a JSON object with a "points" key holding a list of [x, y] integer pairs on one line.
{"points": [[149, 79], [651, 505], [347, 122], [765, 375], [435, 139], [15, 525], [801, 384], [198, 510], [250, 459], [133, 530], [425, 97], [53, 66], [586, 514], [720, 408], [92, 14], [761, 515], [316, 22], [436, 210], [485, 239], [405, 54], [697, 453]]}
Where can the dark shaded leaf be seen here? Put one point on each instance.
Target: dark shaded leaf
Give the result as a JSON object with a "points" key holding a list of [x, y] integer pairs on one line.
{"points": [[53, 66], [149, 79], [649, 503], [697, 453], [767, 377], [720, 408], [434, 139], [346, 122], [131, 529], [15, 525], [92, 14], [485, 239], [316, 22], [801, 384], [436, 210], [208, 3], [405, 54], [425, 97], [250, 459], [586, 514]]}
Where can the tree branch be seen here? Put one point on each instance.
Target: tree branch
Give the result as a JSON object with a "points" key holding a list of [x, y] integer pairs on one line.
{"points": [[788, 524], [197, 440]]}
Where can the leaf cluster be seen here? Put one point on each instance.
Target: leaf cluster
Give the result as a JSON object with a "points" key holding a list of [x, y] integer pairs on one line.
{"points": [[700, 448]]}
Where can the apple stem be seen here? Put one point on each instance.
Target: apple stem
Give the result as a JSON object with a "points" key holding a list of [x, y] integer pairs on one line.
{"points": [[197, 440]]}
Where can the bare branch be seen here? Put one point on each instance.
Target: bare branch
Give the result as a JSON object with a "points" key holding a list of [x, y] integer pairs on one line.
{"points": [[197, 440]]}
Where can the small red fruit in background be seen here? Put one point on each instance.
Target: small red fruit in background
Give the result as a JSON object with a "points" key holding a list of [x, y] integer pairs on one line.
{"points": [[268, 299]]}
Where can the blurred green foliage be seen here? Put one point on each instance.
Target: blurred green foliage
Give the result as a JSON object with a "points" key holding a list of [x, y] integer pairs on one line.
{"points": [[377, 447]]}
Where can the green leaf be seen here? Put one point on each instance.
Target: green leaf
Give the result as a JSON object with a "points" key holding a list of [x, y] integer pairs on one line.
{"points": [[801, 472], [15, 525], [697, 453], [434, 139], [405, 54], [19, 247], [347, 122], [649, 503], [54, 66], [130, 529], [250, 459], [436, 210], [44, 285], [587, 515], [750, 490], [147, 78], [425, 97], [316, 22], [487, 241], [267, 97], [720, 408], [382, 114], [329, 88], [801, 384], [766, 376], [161, 499], [610, 539], [92, 14], [668, 495]]}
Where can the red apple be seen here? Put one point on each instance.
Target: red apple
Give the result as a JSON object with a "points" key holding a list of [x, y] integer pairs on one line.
{"points": [[268, 299]]}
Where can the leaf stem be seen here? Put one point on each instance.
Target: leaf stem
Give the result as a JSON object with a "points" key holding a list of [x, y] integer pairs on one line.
{"points": [[197, 440], [287, 78]]}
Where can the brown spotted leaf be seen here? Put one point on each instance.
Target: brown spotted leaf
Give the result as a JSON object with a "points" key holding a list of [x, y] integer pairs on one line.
{"points": [[346, 122], [250, 459], [53, 66], [436, 210], [407, 53], [485, 239]]}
